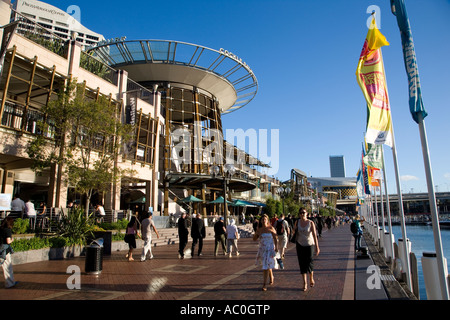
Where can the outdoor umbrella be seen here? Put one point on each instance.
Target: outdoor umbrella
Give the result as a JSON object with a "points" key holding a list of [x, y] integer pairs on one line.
{"points": [[242, 203], [219, 200], [189, 200]]}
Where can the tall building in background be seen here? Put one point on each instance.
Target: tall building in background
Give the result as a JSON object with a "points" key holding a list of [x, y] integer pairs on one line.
{"points": [[58, 22], [337, 167]]}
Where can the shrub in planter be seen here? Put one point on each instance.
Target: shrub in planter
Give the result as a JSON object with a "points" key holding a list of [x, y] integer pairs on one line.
{"points": [[38, 243], [75, 227], [20, 226]]}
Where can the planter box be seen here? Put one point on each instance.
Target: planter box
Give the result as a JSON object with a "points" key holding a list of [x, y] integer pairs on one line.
{"points": [[29, 256], [46, 254]]}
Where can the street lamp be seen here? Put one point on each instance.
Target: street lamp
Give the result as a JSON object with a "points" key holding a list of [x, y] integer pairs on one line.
{"points": [[283, 192], [228, 171]]}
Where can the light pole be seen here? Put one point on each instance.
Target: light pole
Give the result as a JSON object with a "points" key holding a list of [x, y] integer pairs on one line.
{"points": [[228, 172], [283, 192]]}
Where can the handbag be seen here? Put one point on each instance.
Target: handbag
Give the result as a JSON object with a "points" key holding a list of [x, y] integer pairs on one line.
{"points": [[294, 237]]}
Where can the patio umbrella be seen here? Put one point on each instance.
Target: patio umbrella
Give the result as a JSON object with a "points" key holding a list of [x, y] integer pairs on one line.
{"points": [[189, 200], [242, 203], [219, 200]]}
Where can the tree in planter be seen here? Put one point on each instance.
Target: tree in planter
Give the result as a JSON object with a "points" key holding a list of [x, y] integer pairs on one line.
{"points": [[88, 134], [75, 227]]}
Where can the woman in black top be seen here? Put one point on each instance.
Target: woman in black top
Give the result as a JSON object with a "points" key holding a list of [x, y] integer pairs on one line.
{"points": [[5, 259]]}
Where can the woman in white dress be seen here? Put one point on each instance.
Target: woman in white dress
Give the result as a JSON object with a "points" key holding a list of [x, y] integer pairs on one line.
{"points": [[268, 247]]}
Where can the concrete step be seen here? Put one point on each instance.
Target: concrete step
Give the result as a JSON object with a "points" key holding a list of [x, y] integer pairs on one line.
{"points": [[169, 236]]}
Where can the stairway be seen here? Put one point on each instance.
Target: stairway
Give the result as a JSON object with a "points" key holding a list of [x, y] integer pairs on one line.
{"points": [[169, 236]]}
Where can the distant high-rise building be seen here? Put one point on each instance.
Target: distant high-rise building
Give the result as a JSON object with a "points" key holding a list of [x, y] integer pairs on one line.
{"points": [[58, 22], [337, 167]]}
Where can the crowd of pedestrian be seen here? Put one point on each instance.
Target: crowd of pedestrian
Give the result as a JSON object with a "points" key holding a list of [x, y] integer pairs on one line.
{"points": [[273, 236]]}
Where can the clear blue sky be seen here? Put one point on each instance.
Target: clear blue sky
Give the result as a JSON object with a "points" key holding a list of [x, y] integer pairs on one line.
{"points": [[304, 55]]}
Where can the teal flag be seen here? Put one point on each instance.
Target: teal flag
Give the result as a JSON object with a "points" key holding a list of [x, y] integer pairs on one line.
{"points": [[415, 95]]}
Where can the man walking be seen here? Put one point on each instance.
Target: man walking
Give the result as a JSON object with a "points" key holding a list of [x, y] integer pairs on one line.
{"points": [[219, 236], [198, 232], [282, 228], [146, 226], [183, 233]]}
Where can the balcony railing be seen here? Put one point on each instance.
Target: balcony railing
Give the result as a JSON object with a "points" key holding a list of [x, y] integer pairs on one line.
{"points": [[15, 117]]}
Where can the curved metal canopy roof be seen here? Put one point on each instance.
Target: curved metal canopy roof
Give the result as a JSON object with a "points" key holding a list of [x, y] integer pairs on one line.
{"points": [[220, 72]]}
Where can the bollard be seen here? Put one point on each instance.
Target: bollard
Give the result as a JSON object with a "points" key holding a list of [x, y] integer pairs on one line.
{"points": [[431, 275], [388, 240]]}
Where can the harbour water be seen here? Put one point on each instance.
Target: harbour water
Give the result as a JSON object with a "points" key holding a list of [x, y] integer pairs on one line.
{"points": [[422, 240]]}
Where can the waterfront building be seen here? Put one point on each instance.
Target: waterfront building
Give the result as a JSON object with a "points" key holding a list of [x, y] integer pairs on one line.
{"points": [[340, 190], [55, 23], [175, 94]]}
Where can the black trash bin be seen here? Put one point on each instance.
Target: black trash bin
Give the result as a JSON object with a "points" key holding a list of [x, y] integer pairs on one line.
{"points": [[94, 257]]}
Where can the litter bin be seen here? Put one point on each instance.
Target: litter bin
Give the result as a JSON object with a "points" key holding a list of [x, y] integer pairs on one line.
{"points": [[94, 257]]}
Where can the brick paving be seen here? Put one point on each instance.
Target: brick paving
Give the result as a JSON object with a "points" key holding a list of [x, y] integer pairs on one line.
{"points": [[199, 278]]}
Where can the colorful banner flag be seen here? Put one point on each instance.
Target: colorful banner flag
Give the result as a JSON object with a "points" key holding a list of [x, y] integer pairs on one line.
{"points": [[370, 76], [365, 174], [374, 176], [360, 186], [373, 155], [409, 55]]}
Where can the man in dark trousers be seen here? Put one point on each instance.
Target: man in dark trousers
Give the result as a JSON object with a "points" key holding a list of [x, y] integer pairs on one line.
{"points": [[219, 236], [183, 233], [198, 232]]}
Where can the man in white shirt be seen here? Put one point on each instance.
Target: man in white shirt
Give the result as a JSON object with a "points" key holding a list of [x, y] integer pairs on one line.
{"points": [[30, 211], [100, 212], [146, 227]]}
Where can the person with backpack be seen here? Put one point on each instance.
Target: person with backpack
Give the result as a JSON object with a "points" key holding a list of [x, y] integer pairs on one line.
{"points": [[283, 232], [355, 228]]}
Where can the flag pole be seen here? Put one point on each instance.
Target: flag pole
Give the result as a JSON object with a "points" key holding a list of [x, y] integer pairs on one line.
{"points": [[433, 207], [401, 212], [418, 113], [388, 207], [377, 217]]}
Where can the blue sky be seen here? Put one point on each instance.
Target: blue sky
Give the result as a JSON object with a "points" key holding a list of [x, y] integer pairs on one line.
{"points": [[304, 55]]}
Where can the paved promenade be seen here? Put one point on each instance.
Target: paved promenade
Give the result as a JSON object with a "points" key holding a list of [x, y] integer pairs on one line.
{"points": [[205, 278]]}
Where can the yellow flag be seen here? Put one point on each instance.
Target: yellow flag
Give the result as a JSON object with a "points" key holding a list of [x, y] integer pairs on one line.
{"points": [[370, 76]]}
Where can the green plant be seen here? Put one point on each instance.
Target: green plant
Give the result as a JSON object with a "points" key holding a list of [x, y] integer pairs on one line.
{"points": [[119, 225], [20, 226], [38, 243], [76, 227]]}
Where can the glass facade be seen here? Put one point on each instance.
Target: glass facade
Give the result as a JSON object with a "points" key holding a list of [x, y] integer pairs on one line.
{"points": [[195, 139]]}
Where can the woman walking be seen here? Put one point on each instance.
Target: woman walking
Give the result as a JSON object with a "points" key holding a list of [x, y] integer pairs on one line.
{"points": [[6, 250], [305, 243], [130, 237], [268, 247]]}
